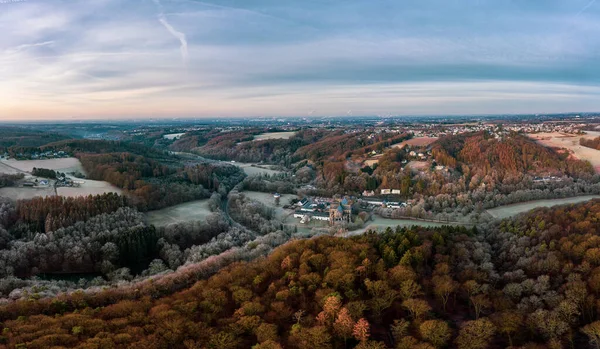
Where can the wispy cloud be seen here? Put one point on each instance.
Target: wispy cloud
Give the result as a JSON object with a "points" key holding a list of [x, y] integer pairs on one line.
{"points": [[262, 57], [179, 35]]}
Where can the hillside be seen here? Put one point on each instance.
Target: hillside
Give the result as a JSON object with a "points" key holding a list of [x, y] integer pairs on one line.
{"points": [[510, 154], [530, 282]]}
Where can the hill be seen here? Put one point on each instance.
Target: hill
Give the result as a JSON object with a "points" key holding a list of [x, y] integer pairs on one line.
{"points": [[532, 282], [508, 154]]}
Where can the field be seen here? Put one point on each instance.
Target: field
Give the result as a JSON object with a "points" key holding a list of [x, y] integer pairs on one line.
{"points": [[274, 135], [417, 142], [515, 209], [571, 143], [372, 160], [173, 136], [60, 164], [268, 200], [189, 211], [253, 170], [418, 165], [380, 224], [88, 188], [26, 193]]}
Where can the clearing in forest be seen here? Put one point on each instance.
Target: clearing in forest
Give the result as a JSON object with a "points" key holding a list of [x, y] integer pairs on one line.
{"points": [[189, 211], [60, 164], [417, 142], [274, 135]]}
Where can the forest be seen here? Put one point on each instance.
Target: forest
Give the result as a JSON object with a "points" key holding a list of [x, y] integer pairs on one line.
{"points": [[531, 282]]}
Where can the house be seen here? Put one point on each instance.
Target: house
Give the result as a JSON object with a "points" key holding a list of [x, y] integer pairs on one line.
{"points": [[386, 191], [396, 191], [368, 193]]}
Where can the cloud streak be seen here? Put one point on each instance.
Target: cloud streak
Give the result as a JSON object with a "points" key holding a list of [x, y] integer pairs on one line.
{"points": [[110, 58], [177, 34]]}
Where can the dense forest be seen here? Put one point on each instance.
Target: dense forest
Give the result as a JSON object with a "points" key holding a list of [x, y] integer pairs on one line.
{"points": [[531, 282], [16, 140], [153, 181]]}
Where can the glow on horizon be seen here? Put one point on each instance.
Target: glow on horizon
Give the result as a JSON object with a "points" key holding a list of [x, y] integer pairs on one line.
{"points": [[184, 58]]}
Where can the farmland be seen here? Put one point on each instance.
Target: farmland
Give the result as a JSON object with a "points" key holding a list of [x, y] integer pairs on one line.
{"points": [[571, 143], [173, 136], [254, 169], [417, 142], [59, 164], [268, 200], [88, 187], [26, 193], [189, 211], [274, 135], [515, 209]]}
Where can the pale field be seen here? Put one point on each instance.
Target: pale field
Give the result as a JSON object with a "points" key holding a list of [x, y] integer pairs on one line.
{"points": [[61, 164], [372, 160], [571, 143], [173, 136], [4, 168], [90, 187], [274, 135], [253, 170], [268, 200], [418, 165], [418, 141], [26, 193], [190, 211], [514, 209], [380, 224]]}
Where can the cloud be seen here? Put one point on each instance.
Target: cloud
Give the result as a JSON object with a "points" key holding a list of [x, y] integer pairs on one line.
{"points": [[60, 58], [179, 35]]}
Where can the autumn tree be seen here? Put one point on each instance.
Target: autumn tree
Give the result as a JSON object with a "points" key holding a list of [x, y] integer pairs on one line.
{"points": [[475, 334], [436, 332]]}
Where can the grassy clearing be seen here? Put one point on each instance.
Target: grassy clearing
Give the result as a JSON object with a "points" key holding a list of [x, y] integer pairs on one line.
{"points": [[274, 135], [254, 170], [89, 187], [62, 164], [25, 193], [515, 209], [186, 212], [417, 142]]}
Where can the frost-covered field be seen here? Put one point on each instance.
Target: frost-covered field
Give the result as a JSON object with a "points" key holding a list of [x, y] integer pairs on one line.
{"points": [[514, 209], [26, 193], [61, 164], [254, 170], [173, 136], [189, 211], [89, 187], [274, 135], [418, 141]]}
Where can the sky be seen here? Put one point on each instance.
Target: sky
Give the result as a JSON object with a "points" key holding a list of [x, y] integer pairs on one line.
{"points": [[110, 59]]}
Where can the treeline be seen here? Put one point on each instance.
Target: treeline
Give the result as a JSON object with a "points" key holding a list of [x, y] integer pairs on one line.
{"points": [[154, 185], [17, 140], [52, 212], [531, 282], [44, 172], [590, 143], [8, 180]]}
